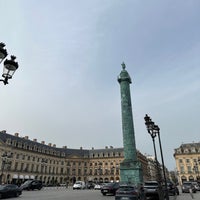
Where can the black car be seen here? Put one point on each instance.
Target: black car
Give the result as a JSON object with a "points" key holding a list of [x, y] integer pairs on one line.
{"points": [[172, 188], [187, 186], [32, 185], [129, 192], [90, 186], [10, 190], [110, 188], [151, 189]]}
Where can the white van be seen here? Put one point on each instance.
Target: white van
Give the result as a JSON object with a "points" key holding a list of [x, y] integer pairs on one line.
{"points": [[79, 185]]}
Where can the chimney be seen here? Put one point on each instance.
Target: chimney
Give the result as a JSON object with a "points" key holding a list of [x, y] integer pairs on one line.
{"points": [[111, 147], [16, 134], [106, 147], [81, 148], [26, 137], [43, 142], [64, 147], [54, 145], [34, 140], [92, 148], [49, 144]]}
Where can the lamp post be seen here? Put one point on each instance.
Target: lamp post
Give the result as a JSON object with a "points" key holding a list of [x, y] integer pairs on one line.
{"points": [[5, 161], [150, 128], [10, 66], [155, 130]]}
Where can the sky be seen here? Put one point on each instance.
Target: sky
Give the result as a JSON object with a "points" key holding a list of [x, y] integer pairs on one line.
{"points": [[70, 52]]}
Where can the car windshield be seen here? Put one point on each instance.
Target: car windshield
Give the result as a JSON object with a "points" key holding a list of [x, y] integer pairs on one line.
{"points": [[2, 186], [188, 183], [126, 188], [109, 184], [27, 182], [78, 183], [151, 183]]}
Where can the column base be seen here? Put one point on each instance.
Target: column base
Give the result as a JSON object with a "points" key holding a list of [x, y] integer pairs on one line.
{"points": [[131, 172]]}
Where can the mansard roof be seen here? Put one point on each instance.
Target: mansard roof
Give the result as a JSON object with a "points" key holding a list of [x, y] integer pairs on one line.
{"points": [[188, 148], [68, 152], [4, 137]]}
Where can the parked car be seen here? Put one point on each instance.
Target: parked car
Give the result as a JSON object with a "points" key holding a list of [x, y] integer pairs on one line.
{"points": [[172, 188], [10, 190], [32, 185], [151, 189], [187, 186], [90, 186], [110, 188], [79, 185], [129, 192], [196, 185], [97, 186]]}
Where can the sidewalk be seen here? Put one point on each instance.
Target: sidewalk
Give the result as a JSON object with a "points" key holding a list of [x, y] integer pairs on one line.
{"points": [[186, 196]]}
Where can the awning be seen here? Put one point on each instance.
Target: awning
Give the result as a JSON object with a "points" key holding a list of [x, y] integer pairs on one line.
{"points": [[26, 177], [15, 176], [21, 176], [32, 177]]}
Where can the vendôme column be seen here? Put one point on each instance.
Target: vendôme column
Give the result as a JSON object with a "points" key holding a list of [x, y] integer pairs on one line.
{"points": [[130, 168]]}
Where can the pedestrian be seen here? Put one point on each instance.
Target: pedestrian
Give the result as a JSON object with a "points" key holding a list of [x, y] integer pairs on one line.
{"points": [[191, 193], [66, 185]]}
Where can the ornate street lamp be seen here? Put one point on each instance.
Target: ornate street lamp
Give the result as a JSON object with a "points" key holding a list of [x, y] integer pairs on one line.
{"points": [[10, 66], [153, 131]]}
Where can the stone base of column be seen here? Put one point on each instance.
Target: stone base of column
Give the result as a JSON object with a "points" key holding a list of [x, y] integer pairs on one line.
{"points": [[131, 172]]}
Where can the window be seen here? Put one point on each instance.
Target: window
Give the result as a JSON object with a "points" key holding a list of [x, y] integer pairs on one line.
{"points": [[16, 166], [182, 169], [187, 160], [189, 169]]}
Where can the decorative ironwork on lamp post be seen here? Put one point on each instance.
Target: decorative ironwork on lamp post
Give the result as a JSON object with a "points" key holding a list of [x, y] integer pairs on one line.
{"points": [[154, 130], [10, 66]]}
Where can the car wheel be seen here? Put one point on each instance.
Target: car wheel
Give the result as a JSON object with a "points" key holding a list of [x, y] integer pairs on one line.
{"points": [[17, 194], [1, 196], [104, 194]]}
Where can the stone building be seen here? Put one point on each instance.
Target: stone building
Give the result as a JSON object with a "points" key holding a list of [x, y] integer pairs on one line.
{"points": [[23, 159], [187, 158]]}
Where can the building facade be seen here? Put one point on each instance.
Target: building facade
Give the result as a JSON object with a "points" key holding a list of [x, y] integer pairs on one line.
{"points": [[23, 159], [187, 158]]}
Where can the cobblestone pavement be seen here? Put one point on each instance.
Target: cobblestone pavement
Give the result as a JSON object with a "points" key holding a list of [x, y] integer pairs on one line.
{"points": [[186, 196], [61, 193]]}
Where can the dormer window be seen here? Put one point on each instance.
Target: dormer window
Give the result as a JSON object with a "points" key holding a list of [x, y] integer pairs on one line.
{"points": [[8, 141], [186, 151]]}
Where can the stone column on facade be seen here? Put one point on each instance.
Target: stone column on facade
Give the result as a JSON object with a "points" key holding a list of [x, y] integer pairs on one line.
{"points": [[130, 168]]}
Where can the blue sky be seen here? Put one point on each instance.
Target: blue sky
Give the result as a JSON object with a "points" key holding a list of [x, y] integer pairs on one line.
{"points": [[65, 91]]}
